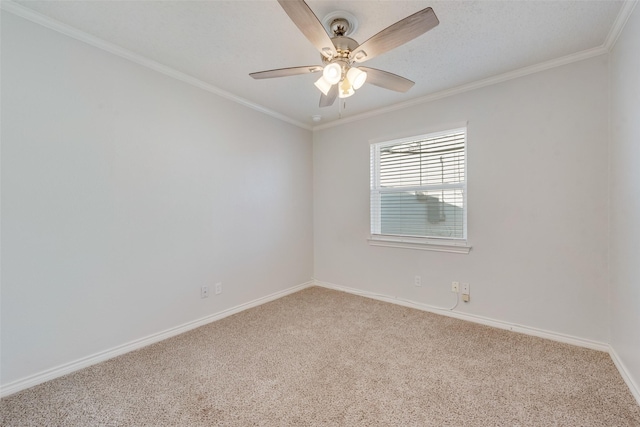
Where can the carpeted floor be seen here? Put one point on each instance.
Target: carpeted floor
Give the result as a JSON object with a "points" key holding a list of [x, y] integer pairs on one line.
{"points": [[321, 357]]}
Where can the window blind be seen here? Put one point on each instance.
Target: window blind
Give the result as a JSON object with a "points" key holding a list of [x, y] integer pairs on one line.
{"points": [[418, 186]]}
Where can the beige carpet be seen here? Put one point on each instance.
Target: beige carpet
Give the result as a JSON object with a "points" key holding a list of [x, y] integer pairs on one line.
{"points": [[321, 357]]}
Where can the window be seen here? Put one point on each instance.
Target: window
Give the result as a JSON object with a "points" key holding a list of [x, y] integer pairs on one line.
{"points": [[418, 191]]}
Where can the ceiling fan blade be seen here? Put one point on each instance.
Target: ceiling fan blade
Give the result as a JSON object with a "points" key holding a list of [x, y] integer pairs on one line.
{"points": [[387, 80], [330, 98], [395, 35], [284, 72], [304, 18]]}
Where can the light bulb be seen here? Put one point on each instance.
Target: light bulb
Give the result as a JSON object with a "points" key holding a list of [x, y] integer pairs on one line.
{"points": [[357, 77], [323, 85], [332, 73], [346, 90]]}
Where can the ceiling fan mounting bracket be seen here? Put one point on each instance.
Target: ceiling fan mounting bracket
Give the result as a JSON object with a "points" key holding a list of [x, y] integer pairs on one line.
{"points": [[340, 23]]}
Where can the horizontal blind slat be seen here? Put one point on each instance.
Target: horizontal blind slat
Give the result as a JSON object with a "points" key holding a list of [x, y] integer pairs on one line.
{"points": [[426, 162]]}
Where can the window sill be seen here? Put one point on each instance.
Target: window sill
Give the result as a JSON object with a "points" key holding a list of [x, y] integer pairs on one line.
{"points": [[451, 246]]}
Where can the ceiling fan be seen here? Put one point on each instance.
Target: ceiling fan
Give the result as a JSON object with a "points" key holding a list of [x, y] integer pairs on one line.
{"points": [[340, 77]]}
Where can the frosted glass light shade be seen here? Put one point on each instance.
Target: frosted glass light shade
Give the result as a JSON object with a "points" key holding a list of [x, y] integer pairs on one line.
{"points": [[346, 90], [357, 77], [323, 85], [332, 73]]}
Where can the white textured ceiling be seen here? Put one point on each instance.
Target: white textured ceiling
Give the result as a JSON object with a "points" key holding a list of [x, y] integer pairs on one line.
{"points": [[221, 42]]}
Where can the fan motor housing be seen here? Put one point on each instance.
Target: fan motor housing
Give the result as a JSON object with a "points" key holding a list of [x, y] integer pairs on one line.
{"points": [[344, 46]]}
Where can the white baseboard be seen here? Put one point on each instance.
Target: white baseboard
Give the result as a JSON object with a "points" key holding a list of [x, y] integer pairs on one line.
{"points": [[555, 336], [49, 374], [541, 333], [624, 372], [58, 371]]}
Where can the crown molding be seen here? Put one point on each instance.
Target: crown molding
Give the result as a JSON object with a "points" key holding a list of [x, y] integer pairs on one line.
{"points": [[606, 47], [521, 72], [45, 21], [26, 13], [623, 16]]}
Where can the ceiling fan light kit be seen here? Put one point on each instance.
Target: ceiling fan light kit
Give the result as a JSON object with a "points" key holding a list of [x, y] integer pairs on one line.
{"points": [[346, 90], [357, 77], [340, 78], [350, 78], [323, 85], [332, 73]]}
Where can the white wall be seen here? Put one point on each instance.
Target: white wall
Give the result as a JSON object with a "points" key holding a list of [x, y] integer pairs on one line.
{"points": [[625, 204], [124, 191], [537, 197]]}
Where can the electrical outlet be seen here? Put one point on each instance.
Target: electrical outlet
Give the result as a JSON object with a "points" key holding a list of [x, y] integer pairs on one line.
{"points": [[218, 288], [455, 287], [204, 292], [417, 280], [465, 292], [465, 288]]}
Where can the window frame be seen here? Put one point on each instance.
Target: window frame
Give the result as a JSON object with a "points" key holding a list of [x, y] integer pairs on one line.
{"points": [[434, 243]]}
